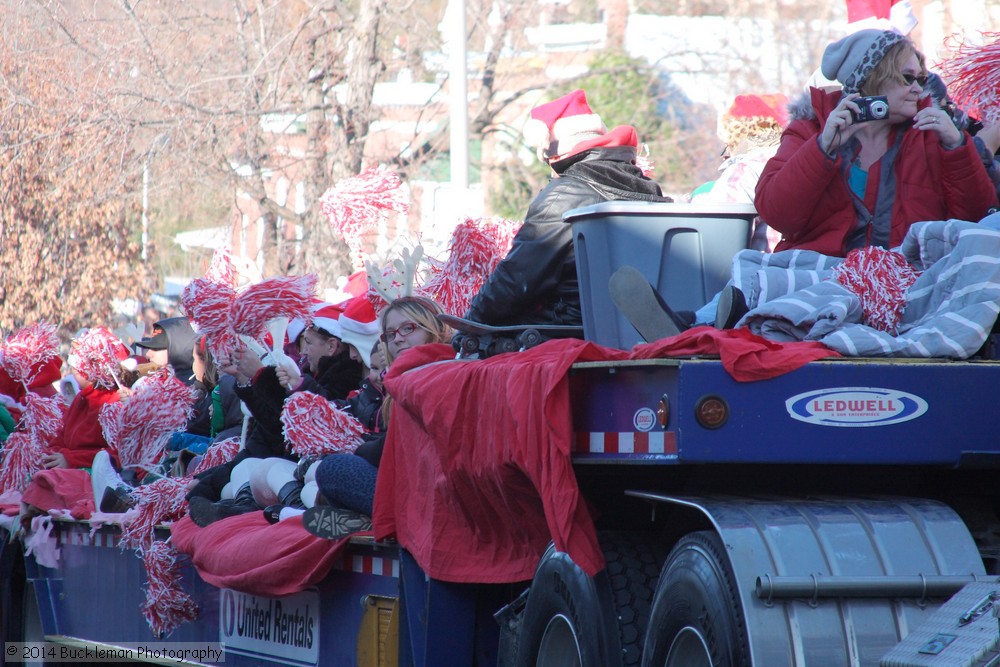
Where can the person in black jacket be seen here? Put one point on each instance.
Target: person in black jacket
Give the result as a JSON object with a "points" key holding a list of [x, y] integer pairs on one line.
{"points": [[536, 282], [328, 371], [172, 344]]}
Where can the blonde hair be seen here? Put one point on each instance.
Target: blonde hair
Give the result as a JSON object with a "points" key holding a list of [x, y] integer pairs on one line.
{"points": [[421, 311], [890, 67]]}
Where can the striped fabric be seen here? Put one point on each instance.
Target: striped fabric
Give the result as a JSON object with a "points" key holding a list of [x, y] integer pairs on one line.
{"points": [[949, 313]]}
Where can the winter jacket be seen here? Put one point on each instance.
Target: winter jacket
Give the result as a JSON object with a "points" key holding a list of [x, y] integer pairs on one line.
{"points": [[803, 193], [365, 405], [265, 398], [81, 436], [536, 282], [337, 377], [216, 411]]}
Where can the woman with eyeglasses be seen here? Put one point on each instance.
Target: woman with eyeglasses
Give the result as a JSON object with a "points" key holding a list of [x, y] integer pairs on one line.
{"points": [[853, 172], [347, 481]]}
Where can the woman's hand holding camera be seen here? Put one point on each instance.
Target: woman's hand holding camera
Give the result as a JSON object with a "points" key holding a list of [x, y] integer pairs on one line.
{"points": [[840, 124]]}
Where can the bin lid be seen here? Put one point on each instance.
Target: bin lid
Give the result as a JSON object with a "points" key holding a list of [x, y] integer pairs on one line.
{"points": [[685, 209]]}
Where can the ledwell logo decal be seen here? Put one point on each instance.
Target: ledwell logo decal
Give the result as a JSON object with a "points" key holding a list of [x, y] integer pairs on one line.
{"points": [[855, 406]]}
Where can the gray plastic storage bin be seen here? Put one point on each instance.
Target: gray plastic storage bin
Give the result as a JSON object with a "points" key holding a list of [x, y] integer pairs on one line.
{"points": [[684, 250]]}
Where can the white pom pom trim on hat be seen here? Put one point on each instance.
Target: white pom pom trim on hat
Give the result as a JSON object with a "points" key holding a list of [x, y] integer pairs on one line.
{"points": [[536, 134], [568, 127]]}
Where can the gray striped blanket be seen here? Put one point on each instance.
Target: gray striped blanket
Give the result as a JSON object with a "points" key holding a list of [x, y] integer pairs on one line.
{"points": [[949, 310]]}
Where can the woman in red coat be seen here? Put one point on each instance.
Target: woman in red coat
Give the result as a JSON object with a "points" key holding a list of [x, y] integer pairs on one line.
{"points": [[840, 182], [95, 357]]}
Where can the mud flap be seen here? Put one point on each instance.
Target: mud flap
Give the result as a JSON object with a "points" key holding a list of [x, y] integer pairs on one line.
{"points": [[510, 617]]}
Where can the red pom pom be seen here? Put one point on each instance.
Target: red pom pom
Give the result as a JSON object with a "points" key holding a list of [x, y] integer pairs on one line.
{"points": [[43, 417], [22, 456], [207, 305], [23, 354], [879, 278], [167, 606], [138, 430], [221, 452], [158, 502], [221, 270], [22, 452], [282, 296], [475, 249], [357, 204], [314, 427], [973, 75], [96, 355]]}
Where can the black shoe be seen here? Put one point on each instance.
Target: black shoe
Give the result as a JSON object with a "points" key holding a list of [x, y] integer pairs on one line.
{"points": [[333, 523], [303, 467], [116, 500], [205, 512], [732, 307], [290, 494], [272, 513], [643, 305]]}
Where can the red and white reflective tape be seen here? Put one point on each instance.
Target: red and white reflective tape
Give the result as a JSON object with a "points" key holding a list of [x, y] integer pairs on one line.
{"points": [[381, 567], [638, 442]]}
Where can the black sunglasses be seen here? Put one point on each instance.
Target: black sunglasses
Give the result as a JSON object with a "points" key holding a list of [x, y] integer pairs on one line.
{"points": [[908, 79]]}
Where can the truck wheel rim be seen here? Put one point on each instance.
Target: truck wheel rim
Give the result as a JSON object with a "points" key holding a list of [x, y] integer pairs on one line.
{"points": [[559, 645], [688, 650]]}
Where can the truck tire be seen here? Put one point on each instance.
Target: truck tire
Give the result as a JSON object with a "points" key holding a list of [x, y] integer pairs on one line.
{"points": [[697, 620], [573, 619]]}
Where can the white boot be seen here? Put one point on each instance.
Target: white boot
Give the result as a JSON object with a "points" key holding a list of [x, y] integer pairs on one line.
{"points": [[103, 475]]}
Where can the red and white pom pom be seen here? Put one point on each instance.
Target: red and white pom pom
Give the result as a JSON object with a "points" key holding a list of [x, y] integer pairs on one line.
{"points": [[879, 278], [167, 606], [315, 427], [221, 452], [645, 165], [221, 269], [43, 417], [282, 296], [159, 502], [22, 457], [972, 75], [97, 354], [357, 204], [22, 453], [110, 419], [160, 406], [475, 249], [207, 305], [22, 354]]}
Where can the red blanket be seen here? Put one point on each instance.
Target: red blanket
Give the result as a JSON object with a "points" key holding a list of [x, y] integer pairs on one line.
{"points": [[61, 488], [248, 554], [476, 477], [745, 356]]}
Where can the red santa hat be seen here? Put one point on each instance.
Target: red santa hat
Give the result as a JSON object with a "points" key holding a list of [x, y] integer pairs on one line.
{"points": [[894, 15], [567, 126], [359, 326], [297, 325], [326, 316]]}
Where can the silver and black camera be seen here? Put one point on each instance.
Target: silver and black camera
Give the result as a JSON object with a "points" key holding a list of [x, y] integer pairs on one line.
{"points": [[873, 107]]}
